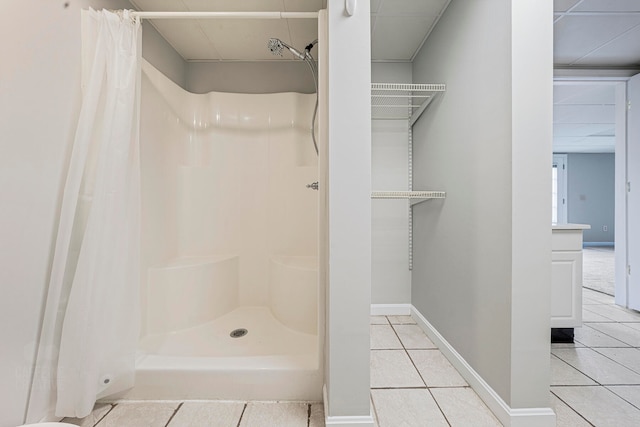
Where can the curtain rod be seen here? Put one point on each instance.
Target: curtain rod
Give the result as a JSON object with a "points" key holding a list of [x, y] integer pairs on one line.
{"points": [[224, 15]]}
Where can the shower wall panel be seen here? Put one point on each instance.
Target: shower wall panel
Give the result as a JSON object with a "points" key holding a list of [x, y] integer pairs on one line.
{"points": [[230, 236], [225, 175]]}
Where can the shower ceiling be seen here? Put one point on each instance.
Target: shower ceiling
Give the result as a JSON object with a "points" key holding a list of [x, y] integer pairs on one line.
{"points": [[398, 27]]}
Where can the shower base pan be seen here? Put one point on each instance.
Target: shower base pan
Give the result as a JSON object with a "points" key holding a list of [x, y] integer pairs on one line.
{"points": [[270, 362]]}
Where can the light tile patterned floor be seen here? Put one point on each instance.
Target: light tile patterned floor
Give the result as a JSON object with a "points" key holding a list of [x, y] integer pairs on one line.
{"points": [[413, 384], [204, 414], [596, 380]]}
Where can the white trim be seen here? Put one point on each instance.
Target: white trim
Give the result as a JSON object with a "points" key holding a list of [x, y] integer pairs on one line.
{"points": [[519, 417], [562, 165], [391, 309], [621, 231], [344, 421]]}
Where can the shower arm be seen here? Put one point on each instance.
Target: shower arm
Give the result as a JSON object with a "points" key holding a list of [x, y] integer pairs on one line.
{"points": [[276, 46]]}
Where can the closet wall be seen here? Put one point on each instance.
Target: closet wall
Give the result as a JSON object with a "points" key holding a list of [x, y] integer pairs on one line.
{"points": [[391, 277]]}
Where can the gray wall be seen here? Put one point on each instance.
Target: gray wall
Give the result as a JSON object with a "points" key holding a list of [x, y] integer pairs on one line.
{"points": [[391, 278], [39, 104], [474, 278], [591, 194], [462, 245], [250, 77], [162, 55]]}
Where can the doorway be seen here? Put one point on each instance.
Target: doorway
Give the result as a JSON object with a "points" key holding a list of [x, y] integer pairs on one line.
{"points": [[584, 146]]}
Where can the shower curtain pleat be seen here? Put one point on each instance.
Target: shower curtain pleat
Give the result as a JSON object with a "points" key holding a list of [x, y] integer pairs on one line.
{"points": [[91, 321]]}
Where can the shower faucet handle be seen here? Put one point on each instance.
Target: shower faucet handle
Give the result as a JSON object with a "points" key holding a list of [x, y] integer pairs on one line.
{"points": [[313, 185]]}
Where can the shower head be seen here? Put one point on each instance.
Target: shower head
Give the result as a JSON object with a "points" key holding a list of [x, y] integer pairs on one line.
{"points": [[276, 46]]}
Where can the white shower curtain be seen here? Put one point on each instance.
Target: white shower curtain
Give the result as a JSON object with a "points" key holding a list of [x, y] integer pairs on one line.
{"points": [[91, 320]]}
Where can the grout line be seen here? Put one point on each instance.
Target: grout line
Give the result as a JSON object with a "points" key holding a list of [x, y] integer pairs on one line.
{"points": [[376, 420], [571, 408], [438, 405], [105, 415], [628, 401], [174, 414], [573, 385], [409, 356], [615, 361], [308, 414], [399, 388], [242, 414]]}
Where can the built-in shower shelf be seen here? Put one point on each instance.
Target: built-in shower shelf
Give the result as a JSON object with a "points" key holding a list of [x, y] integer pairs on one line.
{"points": [[401, 101], [414, 197]]}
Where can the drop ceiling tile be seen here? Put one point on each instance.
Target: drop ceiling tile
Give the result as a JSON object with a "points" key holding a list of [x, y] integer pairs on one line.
{"points": [[375, 5], [584, 145], [622, 52], [302, 5], [159, 5], [584, 94], [583, 130], [576, 36], [303, 32], [608, 6], [397, 38], [411, 8], [187, 38], [234, 6], [563, 5], [584, 114], [245, 39]]}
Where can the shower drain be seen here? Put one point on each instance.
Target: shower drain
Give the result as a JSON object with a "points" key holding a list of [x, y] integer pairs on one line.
{"points": [[238, 333]]}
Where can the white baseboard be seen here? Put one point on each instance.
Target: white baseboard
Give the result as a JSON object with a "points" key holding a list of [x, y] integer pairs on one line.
{"points": [[519, 417], [344, 421], [390, 309]]}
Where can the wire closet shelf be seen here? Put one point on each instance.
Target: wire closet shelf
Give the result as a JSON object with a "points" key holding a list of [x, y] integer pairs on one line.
{"points": [[402, 101]]}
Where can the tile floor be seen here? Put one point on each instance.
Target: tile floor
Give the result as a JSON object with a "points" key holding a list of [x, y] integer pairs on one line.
{"points": [[413, 384], [204, 414], [596, 380], [598, 268]]}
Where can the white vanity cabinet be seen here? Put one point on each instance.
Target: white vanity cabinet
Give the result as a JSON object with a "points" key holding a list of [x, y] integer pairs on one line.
{"points": [[566, 275]]}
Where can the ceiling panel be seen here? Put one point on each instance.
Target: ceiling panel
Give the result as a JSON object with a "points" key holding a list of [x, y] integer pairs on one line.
{"points": [[303, 5], [411, 7], [587, 94], [234, 6], [398, 38], [561, 130], [583, 118], [245, 38], [159, 5], [608, 6], [584, 145], [619, 51], [564, 5], [187, 38], [375, 5], [580, 114], [577, 36]]}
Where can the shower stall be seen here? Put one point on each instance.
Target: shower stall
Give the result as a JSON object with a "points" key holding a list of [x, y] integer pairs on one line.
{"points": [[229, 256]]}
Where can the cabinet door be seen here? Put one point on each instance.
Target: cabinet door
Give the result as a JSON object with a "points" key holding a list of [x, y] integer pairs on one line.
{"points": [[566, 289]]}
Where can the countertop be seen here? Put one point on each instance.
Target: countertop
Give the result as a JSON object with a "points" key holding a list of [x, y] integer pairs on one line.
{"points": [[555, 226]]}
